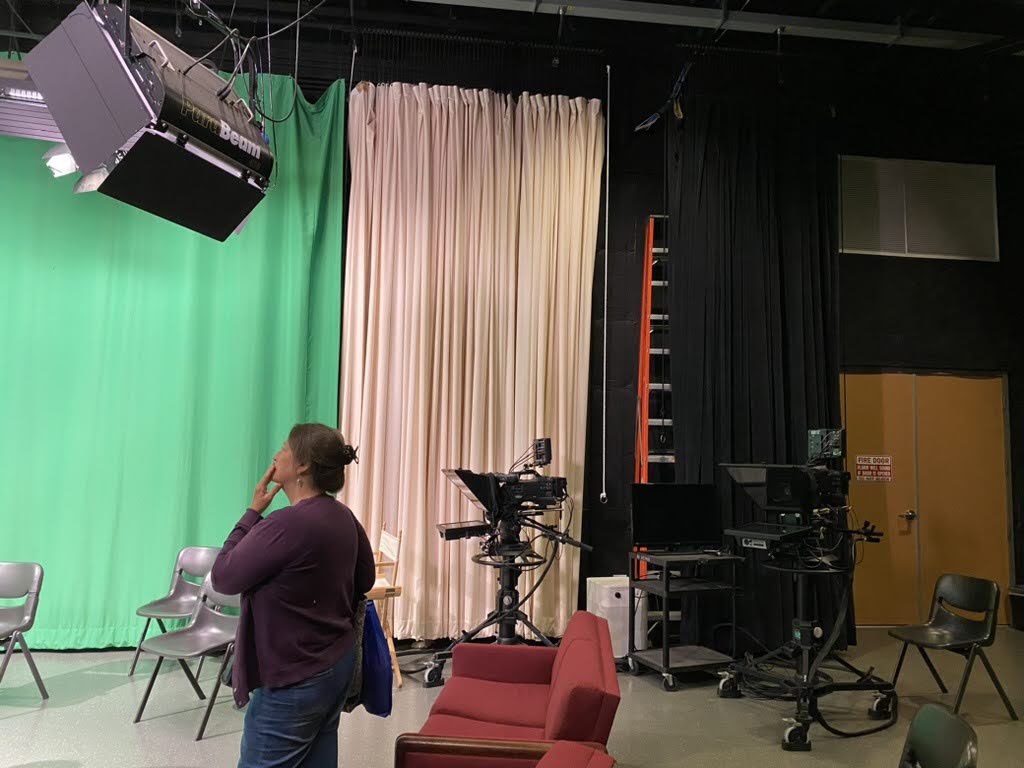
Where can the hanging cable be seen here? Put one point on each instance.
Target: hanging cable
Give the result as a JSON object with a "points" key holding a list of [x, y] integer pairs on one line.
{"points": [[231, 20], [355, 44], [293, 23], [607, 217], [258, 107]]}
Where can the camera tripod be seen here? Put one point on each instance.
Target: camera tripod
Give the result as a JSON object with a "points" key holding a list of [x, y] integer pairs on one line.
{"points": [[511, 557], [808, 683]]}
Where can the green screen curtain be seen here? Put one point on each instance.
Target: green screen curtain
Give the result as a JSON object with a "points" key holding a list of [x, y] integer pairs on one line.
{"points": [[148, 374]]}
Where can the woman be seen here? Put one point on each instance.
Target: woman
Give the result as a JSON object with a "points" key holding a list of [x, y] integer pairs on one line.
{"points": [[301, 572]]}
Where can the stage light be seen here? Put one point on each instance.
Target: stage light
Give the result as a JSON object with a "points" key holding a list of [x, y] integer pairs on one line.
{"points": [[92, 181], [172, 137], [59, 161]]}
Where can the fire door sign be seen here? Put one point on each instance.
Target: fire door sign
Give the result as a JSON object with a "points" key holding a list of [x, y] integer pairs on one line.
{"points": [[874, 469]]}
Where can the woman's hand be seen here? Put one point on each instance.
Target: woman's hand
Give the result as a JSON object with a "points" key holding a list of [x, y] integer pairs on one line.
{"points": [[262, 496]]}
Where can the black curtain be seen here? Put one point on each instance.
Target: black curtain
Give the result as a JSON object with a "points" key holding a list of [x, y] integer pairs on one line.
{"points": [[753, 303]]}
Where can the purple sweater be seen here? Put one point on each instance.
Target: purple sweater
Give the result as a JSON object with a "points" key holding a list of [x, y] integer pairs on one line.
{"points": [[301, 572]]}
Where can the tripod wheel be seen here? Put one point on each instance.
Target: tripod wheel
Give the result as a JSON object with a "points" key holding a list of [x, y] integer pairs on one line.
{"points": [[795, 739], [433, 676], [882, 706]]}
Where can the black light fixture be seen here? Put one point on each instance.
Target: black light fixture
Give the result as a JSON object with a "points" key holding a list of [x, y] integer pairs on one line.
{"points": [[155, 128]]}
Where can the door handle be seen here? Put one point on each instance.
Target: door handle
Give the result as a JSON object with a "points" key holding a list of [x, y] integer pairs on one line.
{"points": [[908, 515]]}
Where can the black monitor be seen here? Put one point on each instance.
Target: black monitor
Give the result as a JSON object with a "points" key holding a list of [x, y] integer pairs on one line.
{"points": [[675, 514]]}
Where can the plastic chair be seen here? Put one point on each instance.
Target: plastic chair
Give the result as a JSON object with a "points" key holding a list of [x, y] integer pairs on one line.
{"points": [[20, 580], [950, 631], [180, 600], [386, 589], [210, 631], [939, 739]]}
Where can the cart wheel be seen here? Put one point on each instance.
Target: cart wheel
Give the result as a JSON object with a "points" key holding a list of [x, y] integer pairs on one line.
{"points": [[728, 688], [633, 667], [882, 707], [669, 683], [795, 739]]}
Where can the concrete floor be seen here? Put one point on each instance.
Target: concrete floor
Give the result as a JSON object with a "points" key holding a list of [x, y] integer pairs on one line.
{"points": [[87, 721]]}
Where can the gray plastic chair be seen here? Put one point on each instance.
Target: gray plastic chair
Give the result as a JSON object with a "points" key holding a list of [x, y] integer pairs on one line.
{"points": [[210, 631], [180, 600], [20, 580], [949, 631], [939, 739]]}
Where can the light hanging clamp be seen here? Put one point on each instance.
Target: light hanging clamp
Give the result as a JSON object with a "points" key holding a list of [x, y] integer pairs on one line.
{"points": [[722, 21], [899, 33], [555, 60]]}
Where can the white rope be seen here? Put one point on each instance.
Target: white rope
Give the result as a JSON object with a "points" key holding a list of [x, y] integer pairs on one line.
{"points": [[607, 217]]}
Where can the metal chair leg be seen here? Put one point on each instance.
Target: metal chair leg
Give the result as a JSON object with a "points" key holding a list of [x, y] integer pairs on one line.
{"points": [[192, 679], [899, 665], [997, 684], [31, 665], [138, 648], [932, 669], [149, 689], [160, 624], [7, 657], [213, 694], [199, 669], [964, 679]]}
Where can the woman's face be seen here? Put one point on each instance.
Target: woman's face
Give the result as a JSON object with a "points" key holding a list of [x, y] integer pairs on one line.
{"points": [[285, 469]]}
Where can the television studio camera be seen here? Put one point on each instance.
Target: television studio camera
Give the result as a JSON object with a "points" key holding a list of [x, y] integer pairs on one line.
{"points": [[805, 534], [510, 505]]}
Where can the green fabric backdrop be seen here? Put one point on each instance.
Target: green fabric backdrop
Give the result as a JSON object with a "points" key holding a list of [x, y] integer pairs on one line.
{"points": [[148, 374]]}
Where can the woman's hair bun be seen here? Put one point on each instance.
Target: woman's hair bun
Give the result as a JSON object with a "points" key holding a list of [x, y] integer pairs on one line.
{"points": [[348, 455]]}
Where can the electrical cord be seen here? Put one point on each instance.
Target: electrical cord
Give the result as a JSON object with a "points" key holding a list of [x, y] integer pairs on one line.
{"points": [[521, 458], [604, 320], [232, 34]]}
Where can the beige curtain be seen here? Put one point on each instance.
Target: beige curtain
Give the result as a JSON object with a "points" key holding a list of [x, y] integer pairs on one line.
{"points": [[466, 332]]}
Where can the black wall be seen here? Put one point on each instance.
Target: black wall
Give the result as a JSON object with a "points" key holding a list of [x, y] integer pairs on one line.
{"points": [[895, 314], [904, 314]]}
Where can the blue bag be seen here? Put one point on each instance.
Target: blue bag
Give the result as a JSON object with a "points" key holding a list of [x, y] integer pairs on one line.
{"points": [[377, 674]]}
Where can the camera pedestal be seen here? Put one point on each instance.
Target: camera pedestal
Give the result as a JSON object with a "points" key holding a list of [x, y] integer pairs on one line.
{"points": [[506, 616]]}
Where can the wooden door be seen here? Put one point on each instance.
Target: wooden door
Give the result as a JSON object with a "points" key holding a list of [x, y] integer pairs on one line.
{"points": [[878, 413], [964, 505]]}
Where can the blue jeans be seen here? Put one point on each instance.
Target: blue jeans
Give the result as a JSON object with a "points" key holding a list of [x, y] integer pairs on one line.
{"points": [[298, 725]]}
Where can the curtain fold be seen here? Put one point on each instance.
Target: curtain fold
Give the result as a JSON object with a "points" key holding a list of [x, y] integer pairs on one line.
{"points": [[754, 305], [150, 373], [471, 241]]}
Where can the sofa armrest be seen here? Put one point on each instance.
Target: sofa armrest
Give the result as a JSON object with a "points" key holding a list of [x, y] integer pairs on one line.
{"points": [[414, 743], [504, 663]]}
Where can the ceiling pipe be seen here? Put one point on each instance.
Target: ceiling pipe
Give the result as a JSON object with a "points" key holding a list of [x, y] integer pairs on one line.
{"points": [[20, 35], [740, 21]]}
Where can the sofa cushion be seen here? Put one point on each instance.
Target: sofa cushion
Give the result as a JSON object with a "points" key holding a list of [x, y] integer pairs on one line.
{"points": [[506, 703], [504, 663], [453, 725], [582, 626], [569, 754], [580, 707]]}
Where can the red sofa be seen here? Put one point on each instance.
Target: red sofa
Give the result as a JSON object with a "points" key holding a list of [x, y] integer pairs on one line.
{"points": [[540, 754], [524, 694]]}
